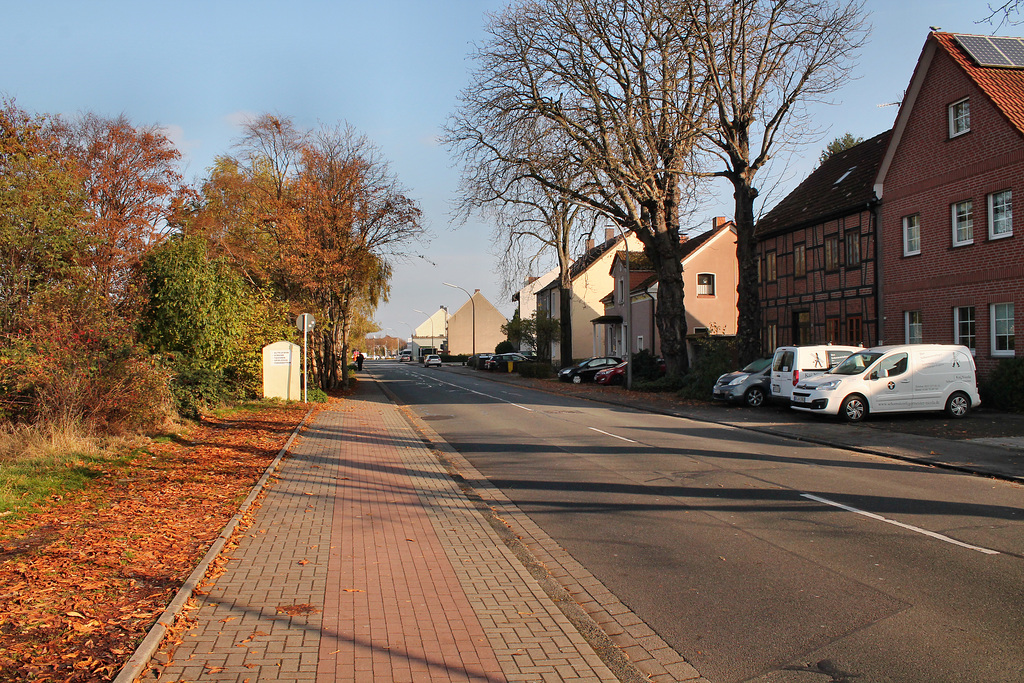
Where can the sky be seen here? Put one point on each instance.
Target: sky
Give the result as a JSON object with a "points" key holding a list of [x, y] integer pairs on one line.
{"points": [[393, 69]]}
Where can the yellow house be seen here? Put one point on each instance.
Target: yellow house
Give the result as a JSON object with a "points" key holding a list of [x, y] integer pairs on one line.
{"points": [[591, 280]]}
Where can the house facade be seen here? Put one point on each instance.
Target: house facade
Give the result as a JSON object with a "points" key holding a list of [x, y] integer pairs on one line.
{"points": [[710, 279], [591, 280], [817, 255], [475, 327], [952, 262]]}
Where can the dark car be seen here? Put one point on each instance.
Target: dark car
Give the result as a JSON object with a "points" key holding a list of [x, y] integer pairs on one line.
{"points": [[584, 371], [477, 360], [751, 385], [500, 361]]}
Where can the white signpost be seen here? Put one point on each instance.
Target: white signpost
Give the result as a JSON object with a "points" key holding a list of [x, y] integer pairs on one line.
{"points": [[305, 323]]}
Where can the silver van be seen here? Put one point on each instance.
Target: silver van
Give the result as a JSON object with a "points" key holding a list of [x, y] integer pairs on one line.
{"points": [[790, 364]]}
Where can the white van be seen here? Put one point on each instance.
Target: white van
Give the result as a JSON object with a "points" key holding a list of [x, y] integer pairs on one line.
{"points": [[900, 378], [790, 364]]}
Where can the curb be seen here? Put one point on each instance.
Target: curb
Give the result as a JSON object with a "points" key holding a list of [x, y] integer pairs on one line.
{"points": [[137, 663]]}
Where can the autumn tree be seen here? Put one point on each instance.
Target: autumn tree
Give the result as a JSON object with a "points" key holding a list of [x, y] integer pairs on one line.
{"points": [[764, 61], [41, 212], [604, 94], [132, 184]]}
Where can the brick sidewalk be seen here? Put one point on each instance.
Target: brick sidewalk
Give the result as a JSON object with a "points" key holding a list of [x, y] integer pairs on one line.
{"points": [[366, 562]]}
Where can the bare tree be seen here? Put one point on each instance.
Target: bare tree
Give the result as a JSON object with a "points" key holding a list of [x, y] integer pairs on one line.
{"points": [[599, 101], [1007, 12], [765, 60], [532, 221]]}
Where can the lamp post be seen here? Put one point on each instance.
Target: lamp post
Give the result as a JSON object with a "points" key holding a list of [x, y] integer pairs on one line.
{"points": [[448, 284], [628, 287], [431, 319]]}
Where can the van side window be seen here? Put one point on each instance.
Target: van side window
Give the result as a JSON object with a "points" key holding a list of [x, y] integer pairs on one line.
{"points": [[837, 357], [893, 366], [784, 362]]}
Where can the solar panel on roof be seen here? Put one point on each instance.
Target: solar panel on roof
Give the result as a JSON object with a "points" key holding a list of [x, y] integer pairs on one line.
{"points": [[982, 51], [1012, 49]]}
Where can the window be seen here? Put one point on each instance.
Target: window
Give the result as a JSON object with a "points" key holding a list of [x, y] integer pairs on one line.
{"points": [[621, 287], [911, 235], [772, 336], [832, 330], [963, 327], [802, 327], [639, 342], [914, 327], [854, 330], [705, 284], [800, 260], [832, 252], [769, 266], [893, 366], [1002, 329], [852, 249], [959, 117], [963, 223], [1000, 214]]}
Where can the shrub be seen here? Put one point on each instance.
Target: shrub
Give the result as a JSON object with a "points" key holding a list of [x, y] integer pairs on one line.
{"points": [[538, 370], [645, 366], [1003, 389], [661, 384], [505, 347], [316, 395], [75, 360], [713, 357]]}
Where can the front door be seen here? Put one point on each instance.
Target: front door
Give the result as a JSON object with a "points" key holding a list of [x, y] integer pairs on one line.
{"points": [[891, 385]]}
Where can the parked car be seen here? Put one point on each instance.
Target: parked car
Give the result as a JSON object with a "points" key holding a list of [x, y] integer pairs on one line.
{"points": [[790, 364], [432, 360], [584, 371], [405, 356], [750, 386], [887, 379], [500, 361], [477, 360], [616, 374]]}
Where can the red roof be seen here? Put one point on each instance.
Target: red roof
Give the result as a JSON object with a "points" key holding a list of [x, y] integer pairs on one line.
{"points": [[1004, 86]]}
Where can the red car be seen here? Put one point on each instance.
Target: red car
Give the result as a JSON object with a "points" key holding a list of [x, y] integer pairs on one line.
{"points": [[617, 374]]}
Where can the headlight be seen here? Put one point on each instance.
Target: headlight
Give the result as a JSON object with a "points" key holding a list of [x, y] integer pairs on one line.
{"points": [[829, 386], [738, 380]]}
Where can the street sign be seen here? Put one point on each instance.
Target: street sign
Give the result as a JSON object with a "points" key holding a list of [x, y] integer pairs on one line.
{"points": [[305, 322]]}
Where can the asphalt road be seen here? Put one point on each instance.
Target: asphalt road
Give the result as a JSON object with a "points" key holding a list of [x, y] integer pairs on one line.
{"points": [[756, 558]]}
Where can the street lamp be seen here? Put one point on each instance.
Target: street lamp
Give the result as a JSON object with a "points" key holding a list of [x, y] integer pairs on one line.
{"points": [[448, 284], [431, 319]]}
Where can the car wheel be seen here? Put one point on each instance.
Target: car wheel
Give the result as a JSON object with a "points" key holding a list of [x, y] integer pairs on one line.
{"points": [[576, 379], [854, 408], [754, 397], [958, 405]]}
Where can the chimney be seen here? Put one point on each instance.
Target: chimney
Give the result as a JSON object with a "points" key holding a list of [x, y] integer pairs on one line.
{"points": [[683, 238], [531, 280], [590, 244], [476, 291], [719, 221], [609, 234]]}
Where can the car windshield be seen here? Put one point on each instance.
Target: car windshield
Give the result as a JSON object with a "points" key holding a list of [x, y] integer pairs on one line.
{"points": [[856, 363], [758, 365]]}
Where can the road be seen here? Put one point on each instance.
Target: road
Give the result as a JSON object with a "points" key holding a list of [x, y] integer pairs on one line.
{"points": [[756, 558]]}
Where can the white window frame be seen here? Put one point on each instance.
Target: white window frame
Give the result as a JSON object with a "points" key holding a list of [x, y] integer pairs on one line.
{"points": [[957, 319], [909, 325], [907, 249], [960, 121], [962, 219], [712, 284], [621, 288], [1007, 208], [639, 343], [994, 330]]}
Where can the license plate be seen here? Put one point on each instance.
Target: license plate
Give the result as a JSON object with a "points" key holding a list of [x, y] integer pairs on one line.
{"points": [[776, 389], [799, 399]]}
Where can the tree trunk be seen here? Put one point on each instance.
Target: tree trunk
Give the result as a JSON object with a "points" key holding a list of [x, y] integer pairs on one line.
{"points": [[671, 310], [748, 305], [564, 316]]}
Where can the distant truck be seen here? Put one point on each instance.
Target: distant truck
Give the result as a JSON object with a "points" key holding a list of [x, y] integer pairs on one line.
{"points": [[888, 379], [405, 356]]}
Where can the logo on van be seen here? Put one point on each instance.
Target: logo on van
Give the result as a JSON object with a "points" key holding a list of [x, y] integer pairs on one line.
{"points": [[956, 359], [891, 385]]}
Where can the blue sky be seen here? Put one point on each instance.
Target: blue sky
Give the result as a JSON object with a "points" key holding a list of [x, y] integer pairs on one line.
{"points": [[391, 68]]}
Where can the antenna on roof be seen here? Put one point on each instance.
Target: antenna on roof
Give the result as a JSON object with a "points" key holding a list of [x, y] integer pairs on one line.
{"points": [[889, 104]]}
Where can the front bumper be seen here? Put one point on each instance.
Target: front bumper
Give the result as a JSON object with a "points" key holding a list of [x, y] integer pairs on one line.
{"points": [[815, 402]]}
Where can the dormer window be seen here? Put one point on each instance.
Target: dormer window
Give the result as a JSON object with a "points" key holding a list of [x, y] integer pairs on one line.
{"points": [[959, 117]]}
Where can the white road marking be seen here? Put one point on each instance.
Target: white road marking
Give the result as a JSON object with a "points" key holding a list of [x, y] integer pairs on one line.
{"points": [[614, 436], [480, 393], [910, 527]]}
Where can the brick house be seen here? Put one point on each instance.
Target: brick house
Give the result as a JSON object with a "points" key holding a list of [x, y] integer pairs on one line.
{"points": [[817, 255], [953, 268]]}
